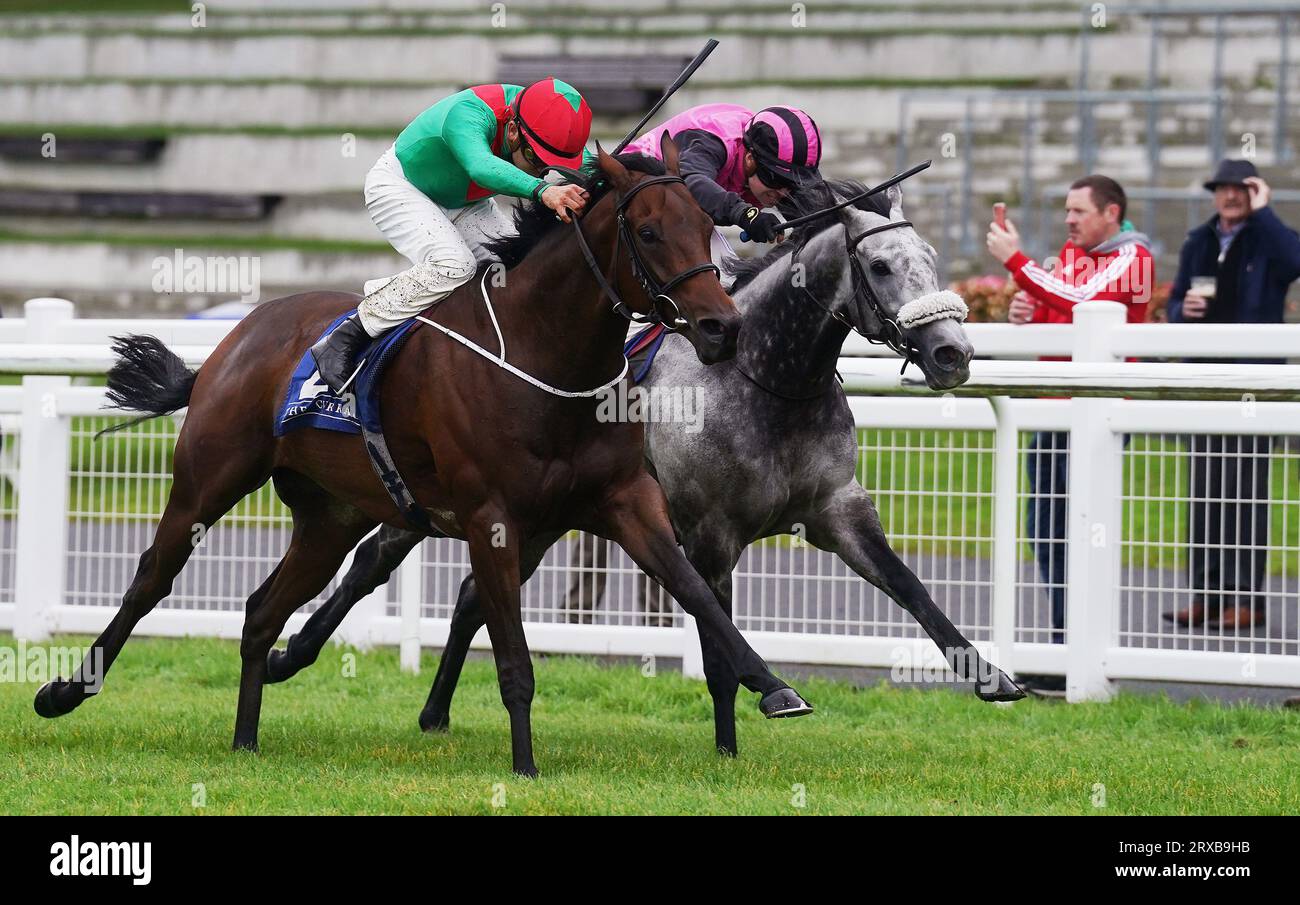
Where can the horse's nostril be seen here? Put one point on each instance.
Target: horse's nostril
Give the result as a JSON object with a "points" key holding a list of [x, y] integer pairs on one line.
{"points": [[948, 357]]}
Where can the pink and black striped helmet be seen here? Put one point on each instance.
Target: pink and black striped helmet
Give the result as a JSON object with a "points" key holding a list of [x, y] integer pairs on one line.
{"points": [[787, 146]]}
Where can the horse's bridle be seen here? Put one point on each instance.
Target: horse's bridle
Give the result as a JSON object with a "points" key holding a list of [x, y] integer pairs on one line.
{"points": [[654, 290], [891, 332]]}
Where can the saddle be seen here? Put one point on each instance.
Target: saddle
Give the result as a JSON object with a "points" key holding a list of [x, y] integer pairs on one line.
{"points": [[310, 403]]}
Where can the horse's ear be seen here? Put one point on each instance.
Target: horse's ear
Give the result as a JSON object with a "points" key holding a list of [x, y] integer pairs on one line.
{"points": [[895, 195], [668, 152], [613, 170]]}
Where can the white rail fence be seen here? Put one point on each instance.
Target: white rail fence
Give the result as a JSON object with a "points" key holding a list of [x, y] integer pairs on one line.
{"points": [[947, 472]]}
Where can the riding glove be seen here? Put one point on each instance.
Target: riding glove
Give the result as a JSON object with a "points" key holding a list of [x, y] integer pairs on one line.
{"points": [[762, 227]]}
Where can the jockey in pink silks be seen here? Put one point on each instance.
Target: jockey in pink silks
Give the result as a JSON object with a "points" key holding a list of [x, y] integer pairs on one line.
{"points": [[737, 162]]}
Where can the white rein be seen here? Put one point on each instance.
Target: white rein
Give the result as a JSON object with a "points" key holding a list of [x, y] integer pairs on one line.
{"points": [[500, 360]]}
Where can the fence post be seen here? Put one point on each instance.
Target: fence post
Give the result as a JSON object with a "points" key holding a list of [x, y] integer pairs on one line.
{"points": [[692, 655], [1094, 528], [43, 457], [1006, 489], [410, 598]]}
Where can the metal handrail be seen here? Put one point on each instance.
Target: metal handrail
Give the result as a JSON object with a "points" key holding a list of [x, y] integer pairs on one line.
{"points": [[1086, 99]]}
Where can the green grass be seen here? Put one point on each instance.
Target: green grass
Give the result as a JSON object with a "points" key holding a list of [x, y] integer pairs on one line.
{"points": [[609, 741]]}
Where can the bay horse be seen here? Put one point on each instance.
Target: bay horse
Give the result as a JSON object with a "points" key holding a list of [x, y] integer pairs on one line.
{"points": [[775, 448], [490, 457]]}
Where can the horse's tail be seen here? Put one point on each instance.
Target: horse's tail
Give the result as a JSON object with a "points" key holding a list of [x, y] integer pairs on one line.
{"points": [[148, 377]]}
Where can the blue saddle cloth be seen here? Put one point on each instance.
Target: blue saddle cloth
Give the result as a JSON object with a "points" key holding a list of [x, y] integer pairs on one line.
{"points": [[309, 403], [641, 350]]}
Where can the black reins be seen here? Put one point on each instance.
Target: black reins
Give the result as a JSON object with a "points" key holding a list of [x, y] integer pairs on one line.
{"points": [[891, 333], [657, 292]]}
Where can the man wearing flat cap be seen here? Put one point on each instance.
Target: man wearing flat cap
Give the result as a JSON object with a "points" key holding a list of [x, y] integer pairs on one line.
{"points": [[1233, 269]]}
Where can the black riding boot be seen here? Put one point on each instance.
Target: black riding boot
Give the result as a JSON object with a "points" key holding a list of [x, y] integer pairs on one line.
{"points": [[336, 354]]}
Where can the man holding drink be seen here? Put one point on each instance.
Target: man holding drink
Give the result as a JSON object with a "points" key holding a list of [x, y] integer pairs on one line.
{"points": [[1234, 268]]}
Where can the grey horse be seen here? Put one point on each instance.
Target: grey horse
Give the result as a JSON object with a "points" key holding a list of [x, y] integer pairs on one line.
{"points": [[775, 450]]}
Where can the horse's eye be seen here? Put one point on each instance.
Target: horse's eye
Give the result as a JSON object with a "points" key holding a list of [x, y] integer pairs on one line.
{"points": [[646, 233], [880, 268]]}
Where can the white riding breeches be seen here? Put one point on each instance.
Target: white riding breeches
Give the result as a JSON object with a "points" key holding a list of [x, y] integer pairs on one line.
{"points": [[444, 245], [719, 249]]}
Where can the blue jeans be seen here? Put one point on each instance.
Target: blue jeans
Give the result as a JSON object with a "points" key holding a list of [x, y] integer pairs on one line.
{"points": [[1048, 463]]}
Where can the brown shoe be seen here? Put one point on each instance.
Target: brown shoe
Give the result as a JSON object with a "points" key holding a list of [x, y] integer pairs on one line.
{"points": [[1193, 615], [1239, 617]]}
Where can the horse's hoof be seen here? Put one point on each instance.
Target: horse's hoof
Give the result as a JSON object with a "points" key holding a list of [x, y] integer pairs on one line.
{"points": [[527, 772], [435, 722], [783, 702], [250, 747], [45, 705], [1007, 690], [277, 666]]}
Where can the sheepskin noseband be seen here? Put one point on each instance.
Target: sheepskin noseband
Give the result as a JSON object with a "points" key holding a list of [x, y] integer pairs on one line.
{"points": [[932, 307]]}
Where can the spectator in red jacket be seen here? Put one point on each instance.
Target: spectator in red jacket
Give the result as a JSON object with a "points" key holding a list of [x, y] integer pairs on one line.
{"points": [[1103, 259]]}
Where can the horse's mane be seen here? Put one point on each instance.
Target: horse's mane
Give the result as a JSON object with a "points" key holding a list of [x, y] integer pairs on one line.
{"points": [[797, 205], [534, 222]]}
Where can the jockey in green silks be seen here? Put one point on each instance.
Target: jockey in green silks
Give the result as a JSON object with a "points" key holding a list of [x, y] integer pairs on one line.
{"points": [[431, 195]]}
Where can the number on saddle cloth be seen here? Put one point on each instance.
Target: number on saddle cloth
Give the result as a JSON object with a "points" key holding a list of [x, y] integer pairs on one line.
{"points": [[309, 403]]}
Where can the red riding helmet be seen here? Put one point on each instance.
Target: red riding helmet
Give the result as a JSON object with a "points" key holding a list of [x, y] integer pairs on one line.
{"points": [[555, 121]]}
